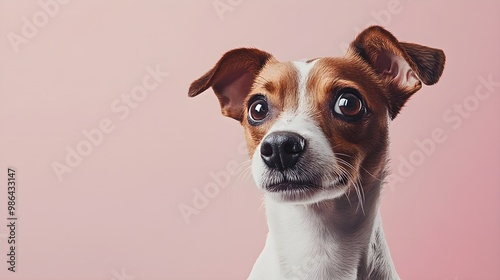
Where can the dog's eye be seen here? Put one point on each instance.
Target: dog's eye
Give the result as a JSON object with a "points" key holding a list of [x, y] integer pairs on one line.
{"points": [[349, 105], [258, 110]]}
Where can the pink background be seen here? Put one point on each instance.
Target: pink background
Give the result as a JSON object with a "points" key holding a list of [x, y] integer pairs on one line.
{"points": [[117, 213]]}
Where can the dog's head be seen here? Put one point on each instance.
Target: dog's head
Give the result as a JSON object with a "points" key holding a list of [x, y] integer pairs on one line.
{"points": [[316, 129]]}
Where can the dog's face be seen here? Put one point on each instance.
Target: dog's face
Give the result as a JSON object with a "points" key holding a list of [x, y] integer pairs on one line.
{"points": [[318, 129], [311, 126]]}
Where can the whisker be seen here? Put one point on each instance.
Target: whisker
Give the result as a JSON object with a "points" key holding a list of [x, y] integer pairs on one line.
{"points": [[243, 169], [364, 169], [356, 183]]}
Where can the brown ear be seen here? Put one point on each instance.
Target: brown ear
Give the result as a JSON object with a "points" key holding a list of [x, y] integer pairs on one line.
{"points": [[231, 79], [403, 67]]}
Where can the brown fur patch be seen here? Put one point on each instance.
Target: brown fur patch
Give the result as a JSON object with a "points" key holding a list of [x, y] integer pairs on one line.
{"points": [[362, 144], [278, 82]]}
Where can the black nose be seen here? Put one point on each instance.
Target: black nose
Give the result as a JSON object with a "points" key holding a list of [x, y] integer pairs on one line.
{"points": [[281, 150]]}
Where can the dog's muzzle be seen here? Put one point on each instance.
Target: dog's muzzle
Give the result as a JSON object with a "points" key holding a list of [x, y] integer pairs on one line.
{"points": [[281, 150]]}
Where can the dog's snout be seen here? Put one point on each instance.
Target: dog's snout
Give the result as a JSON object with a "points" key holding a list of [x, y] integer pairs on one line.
{"points": [[281, 150]]}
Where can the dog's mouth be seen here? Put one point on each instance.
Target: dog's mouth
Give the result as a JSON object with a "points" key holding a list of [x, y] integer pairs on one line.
{"points": [[289, 186], [302, 191], [299, 186], [293, 191]]}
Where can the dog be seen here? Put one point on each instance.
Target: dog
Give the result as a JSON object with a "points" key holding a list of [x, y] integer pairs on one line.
{"points": [[317, 134]]}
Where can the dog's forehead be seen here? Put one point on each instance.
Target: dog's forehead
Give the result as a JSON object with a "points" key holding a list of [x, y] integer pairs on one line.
{"points": [[279, 82], [285, 82]]}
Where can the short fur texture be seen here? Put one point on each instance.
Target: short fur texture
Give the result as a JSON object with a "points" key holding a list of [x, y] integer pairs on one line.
{"points": [[325, 223]]}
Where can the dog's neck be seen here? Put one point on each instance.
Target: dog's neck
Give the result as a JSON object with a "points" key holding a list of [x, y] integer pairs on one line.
{"points": [[335, 239]]}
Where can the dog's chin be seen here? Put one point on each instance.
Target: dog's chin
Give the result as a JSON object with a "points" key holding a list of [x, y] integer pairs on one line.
{"points": [[302, 192]]}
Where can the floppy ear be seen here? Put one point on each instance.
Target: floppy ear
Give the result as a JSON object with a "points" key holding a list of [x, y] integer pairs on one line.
{"points": [[231, 79], [403, 67]]}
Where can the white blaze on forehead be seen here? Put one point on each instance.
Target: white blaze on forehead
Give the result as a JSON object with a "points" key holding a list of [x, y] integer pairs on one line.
{"points": [[298, 120], [303, 70]]}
